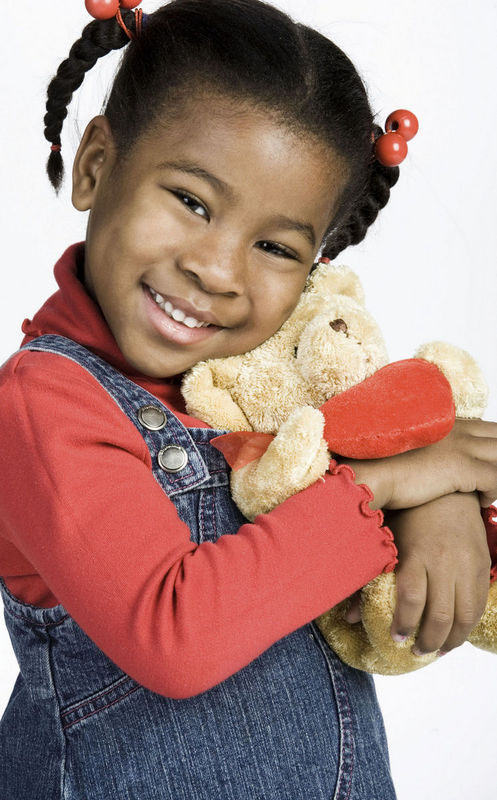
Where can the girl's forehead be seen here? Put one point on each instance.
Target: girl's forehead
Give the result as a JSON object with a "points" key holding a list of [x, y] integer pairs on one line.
{"points": [[225, 128], [246, 149]]}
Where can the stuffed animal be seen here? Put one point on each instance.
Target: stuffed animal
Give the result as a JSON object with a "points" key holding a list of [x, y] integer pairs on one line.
{"points": [[322, 384]]}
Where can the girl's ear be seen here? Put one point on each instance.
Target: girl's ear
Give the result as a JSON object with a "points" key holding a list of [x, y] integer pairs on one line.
{"points": [[328, 280], [93, 162]]}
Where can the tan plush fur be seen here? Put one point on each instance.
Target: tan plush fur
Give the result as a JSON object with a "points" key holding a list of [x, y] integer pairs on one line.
{"points": [[277, 388]]}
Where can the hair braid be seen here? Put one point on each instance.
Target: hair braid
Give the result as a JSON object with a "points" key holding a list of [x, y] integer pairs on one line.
{"points": [[98, 38], [365, 210]]}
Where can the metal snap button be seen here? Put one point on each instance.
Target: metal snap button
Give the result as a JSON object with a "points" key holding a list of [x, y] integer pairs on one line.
{"points": [[152, 417], [172, 458]]}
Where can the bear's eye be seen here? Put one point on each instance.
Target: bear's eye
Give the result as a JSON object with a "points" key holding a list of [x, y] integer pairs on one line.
{"points": [[295, 349]]}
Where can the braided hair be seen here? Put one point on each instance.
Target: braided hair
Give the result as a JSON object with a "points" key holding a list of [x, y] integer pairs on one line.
{"points": [[251, 51]]}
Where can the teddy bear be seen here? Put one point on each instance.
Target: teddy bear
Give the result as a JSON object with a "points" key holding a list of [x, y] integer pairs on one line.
{"points": [[322, 385]]}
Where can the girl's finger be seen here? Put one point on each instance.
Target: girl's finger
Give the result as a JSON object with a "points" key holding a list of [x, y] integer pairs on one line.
{"points": [[410, 583], [478, 427], [470, 602], [438, 617]]}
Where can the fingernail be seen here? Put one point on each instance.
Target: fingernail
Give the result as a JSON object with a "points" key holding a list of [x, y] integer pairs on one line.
{"points": [[398, 637], [443, 652], [418, 652]]}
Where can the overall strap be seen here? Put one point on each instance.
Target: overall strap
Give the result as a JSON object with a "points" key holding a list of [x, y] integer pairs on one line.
{"points": [[176, 460]]}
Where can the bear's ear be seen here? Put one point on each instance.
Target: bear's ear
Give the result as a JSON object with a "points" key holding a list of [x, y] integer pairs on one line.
{"points": [[332, 279], [206, 390]]}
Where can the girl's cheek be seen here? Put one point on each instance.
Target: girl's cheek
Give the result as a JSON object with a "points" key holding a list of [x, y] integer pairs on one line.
{"points": [[284, 293], [154, 233]]}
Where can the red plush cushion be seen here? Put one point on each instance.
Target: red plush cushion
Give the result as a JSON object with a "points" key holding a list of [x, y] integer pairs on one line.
{"points": [[403, 406]]}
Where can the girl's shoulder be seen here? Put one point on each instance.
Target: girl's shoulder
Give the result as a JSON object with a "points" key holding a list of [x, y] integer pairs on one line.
{"points": [[37, 368], [45, 395]]}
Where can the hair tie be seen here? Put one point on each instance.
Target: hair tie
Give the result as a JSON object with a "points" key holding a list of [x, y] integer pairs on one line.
{"points": [[106, 9], [138, 23], [391, 147]]}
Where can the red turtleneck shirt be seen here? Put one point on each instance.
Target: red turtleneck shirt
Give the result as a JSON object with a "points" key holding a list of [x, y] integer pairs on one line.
{"points": [[82, 523]]}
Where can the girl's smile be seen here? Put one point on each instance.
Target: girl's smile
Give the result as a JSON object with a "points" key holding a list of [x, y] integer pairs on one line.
{"points": [[225, 231], [175, 330], [183, 311]]}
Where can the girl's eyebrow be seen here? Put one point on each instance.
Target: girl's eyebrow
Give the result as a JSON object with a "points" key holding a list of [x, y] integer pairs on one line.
{"points": [[195, 169], [183, 165], [305, 228]]}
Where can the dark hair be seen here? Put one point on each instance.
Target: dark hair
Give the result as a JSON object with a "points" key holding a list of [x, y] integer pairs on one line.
{"points": [[251, 51]]}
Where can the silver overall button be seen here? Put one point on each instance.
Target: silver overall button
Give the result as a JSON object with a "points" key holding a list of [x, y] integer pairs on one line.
{"points": [[172, 458], [152, 417]]}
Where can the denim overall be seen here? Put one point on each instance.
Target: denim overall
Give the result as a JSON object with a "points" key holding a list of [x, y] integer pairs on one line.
{"points": [[296, 723]]}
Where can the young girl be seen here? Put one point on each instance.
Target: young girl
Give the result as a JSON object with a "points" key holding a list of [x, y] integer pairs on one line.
{"points": [[166, 645]]}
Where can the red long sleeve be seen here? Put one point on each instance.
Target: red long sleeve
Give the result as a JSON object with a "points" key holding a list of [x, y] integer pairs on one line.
{"points": [[80, 508]]}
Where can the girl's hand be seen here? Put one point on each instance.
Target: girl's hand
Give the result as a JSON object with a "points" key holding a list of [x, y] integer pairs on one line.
{"points": [[443, 574], [463, 461]]}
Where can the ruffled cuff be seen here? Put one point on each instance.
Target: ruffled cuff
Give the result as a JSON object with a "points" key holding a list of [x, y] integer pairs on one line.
{"points": [[384, 531]]}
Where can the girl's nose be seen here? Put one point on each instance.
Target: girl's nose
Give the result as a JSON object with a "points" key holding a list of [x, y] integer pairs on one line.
{"points": [[216, 274]]}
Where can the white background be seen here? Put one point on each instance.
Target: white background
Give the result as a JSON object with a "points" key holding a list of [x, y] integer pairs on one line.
{"points": [[427, 265]]}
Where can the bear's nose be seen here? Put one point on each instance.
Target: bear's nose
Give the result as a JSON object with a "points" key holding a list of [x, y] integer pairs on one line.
{"points": [[339, 325]]}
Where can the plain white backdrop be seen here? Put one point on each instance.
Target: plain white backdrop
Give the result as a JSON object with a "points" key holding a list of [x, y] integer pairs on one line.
{"points": [[427, 264]]}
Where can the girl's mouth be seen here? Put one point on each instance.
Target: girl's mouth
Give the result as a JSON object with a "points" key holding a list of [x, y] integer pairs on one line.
{"points": [[171, 329]]}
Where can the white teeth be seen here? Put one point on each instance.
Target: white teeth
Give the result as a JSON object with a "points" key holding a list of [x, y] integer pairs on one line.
{"points": [[176, 313]]}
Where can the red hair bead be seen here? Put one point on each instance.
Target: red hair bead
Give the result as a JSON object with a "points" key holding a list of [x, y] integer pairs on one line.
{"points": [[391, 147], [403, 122], [102, 9]]}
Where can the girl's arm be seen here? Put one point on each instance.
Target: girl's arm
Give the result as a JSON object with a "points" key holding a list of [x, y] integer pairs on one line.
{"points": [[81, 507], [463, 461]]}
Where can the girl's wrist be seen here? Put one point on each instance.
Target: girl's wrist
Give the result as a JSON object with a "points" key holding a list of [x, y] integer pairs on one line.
{"points": [[468, 500], [375, 474]]}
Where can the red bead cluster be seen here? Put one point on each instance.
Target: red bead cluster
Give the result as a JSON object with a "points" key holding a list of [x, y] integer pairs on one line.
{"points": [[106, 9], [391, 147]]}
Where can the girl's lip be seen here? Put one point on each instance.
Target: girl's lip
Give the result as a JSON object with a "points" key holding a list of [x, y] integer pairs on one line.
{"points": [[169, 328]]}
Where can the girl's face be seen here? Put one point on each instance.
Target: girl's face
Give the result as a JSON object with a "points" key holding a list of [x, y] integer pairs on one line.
{"points": [[229, 231]]}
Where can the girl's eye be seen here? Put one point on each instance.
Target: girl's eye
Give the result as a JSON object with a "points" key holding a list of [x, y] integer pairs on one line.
{"points": [[282, 251], [194, 202]]}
